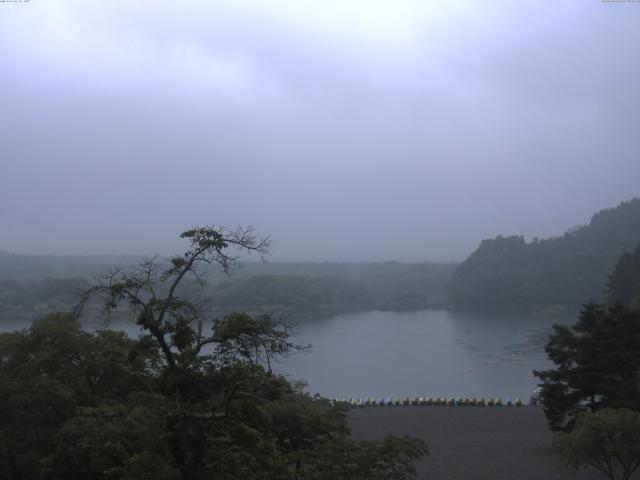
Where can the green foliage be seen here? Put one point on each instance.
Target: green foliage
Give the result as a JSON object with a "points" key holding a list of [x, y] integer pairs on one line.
{"points": [[597, 364], [567, 270], [391, 458], [51, 371], [624, 282], [180, 402], [75, 405], [290, 294], [607, 440], [32, 300], [243, 339], [121, 441], [302, 422]]}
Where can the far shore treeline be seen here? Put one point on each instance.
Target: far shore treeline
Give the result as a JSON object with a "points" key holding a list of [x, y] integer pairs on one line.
{"points": [[504, 272], [306, 290]]}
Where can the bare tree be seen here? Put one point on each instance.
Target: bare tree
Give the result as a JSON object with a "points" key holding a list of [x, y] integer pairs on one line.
{"points": [[150, 291]]}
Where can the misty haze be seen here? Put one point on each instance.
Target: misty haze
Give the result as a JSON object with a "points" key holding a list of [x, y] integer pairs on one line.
{"points": [[308, 240]]}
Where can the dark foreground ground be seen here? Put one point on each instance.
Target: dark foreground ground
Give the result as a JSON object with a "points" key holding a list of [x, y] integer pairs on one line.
{"points": [[471, 443]]}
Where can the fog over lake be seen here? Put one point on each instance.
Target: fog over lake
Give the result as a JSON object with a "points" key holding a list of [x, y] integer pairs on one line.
{"points": [[219, 216]]}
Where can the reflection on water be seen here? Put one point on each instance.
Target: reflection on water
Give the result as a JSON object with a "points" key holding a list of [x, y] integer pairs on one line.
{"points": [[429, 353], [425, 353]]}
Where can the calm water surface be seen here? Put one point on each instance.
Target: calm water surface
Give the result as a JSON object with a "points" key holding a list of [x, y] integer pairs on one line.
{"points": [[424, 353]]}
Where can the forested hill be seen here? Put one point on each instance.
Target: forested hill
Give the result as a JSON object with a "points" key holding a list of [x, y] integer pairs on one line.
{"points": [[566, 270], [624, 282]]}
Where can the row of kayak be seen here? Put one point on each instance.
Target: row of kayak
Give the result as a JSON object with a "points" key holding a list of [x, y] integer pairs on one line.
{"points": [[440, 401]]}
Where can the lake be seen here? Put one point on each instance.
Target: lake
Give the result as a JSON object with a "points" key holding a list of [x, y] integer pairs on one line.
{"points": [[431, 353], [425, 353]]}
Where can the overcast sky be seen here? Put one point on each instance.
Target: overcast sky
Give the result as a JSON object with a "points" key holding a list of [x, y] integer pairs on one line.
{"points": [[346, 129]]}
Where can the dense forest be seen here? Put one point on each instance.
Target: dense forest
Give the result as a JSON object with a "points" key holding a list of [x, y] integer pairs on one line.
{"points": [[290, 294], [567, 270], [624, 282]]}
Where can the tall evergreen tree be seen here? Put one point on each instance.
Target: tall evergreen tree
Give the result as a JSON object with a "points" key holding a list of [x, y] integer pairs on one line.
{"points": [[597, 364]]}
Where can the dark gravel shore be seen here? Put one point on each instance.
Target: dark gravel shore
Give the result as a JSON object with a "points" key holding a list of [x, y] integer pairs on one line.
{"points": [[471, 443]]}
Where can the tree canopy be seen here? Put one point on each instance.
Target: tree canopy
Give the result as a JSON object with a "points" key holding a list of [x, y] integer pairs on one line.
{"points": [[607, 440], [189, 399], [624, 281], [597, 364]]}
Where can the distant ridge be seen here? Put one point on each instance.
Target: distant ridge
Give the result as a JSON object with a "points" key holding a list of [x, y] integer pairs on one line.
{"points": [[566, 270], [22, 267], [624, 281]]}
